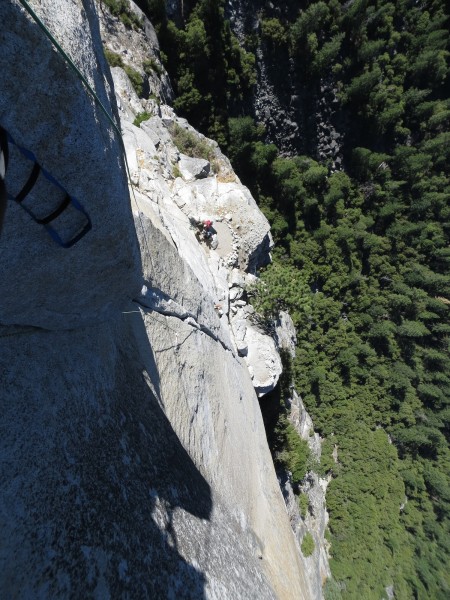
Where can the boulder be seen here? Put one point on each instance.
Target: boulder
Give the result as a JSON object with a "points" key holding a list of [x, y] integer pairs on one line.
{"points": [[128, 102], [193, 168], [285, 334], [263, 359], [236, 278], [236, 293], [239, 327]]}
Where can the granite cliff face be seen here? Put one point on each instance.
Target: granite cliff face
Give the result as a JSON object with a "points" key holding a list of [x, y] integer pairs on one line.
{"points": [[307, 512], [46, 109], [134, 458]]}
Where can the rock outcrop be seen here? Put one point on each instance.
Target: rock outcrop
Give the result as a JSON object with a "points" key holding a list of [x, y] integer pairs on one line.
{"points": [[313, 518], [177, 193], [134, 458]]}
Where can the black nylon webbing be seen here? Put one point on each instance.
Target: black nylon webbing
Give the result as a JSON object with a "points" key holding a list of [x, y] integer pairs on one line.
{"points": [[5, 139], [29, 184], [4, 150], [52, 216]]}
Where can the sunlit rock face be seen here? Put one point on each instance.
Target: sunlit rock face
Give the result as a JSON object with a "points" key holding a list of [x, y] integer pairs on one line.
{"points": [[134, 458]]}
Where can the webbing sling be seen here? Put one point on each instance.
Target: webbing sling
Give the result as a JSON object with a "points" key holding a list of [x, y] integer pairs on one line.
{"points": [[3, 167], [4, 153], [97, 100], [36, 171]]}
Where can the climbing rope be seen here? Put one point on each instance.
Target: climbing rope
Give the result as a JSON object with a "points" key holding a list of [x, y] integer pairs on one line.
{"points": [[72, 65], [97, 100], [160, 318]]}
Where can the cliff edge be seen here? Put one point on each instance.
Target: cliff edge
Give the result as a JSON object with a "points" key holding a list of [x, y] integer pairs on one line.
{"points": [[134, 457]]}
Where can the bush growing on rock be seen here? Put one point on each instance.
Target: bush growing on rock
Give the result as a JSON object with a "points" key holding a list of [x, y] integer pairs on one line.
{"points": [[190, 144], [140, 118], [151, 66], [308, 545], [303, 504], [121, 9], [137, 81], [294, 454], [114, 59]]}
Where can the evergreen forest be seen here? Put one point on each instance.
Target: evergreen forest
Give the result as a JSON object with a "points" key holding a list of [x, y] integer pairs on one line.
{"points": [[361, 258]]}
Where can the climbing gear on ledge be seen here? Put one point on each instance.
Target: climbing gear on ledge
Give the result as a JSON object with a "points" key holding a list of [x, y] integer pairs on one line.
{"points": [[36, 171]]}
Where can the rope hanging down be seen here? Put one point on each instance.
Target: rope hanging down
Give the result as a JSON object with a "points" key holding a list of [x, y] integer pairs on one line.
{"points": [[94, 95], [70, 62]]}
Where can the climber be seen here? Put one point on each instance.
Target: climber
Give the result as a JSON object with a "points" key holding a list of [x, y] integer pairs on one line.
{"points": [[207, 229], [3, 167], [210, 235], [204, 232]]}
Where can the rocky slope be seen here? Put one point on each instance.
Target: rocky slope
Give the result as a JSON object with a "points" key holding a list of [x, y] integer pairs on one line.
{"points": [[134, 459]]}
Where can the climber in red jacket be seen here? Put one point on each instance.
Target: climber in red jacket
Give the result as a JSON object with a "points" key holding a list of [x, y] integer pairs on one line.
{"points": [[207, 229]]}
